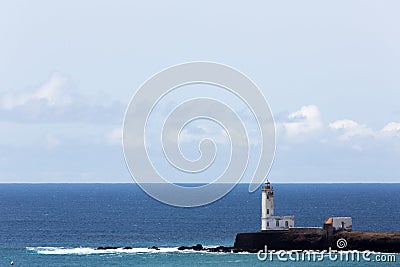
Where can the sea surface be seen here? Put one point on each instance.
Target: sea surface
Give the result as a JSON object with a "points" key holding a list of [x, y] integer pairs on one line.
{"points": [[63, 224]]}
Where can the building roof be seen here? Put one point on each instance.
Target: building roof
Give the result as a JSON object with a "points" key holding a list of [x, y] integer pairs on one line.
{"points": [[328, 221]]}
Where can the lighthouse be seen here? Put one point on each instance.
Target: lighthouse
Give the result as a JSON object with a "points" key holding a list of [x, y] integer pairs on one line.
{"points": [[268, 220], [267, 204]]}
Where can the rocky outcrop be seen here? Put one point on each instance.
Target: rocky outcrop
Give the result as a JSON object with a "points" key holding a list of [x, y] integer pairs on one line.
{"points": [[105, 248], [197, 247], [318, 239]]}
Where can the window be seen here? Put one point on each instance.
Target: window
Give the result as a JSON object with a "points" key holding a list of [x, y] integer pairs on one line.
{"points": [[267, 224], [286, 224], [267, 196], [277, 223], [267, 211]]}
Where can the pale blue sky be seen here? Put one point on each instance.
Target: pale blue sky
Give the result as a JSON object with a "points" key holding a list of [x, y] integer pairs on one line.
{"points": [[330, 72]]}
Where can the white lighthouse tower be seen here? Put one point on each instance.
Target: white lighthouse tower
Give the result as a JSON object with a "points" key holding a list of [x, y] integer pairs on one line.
{"points": [[268, 220], [267, 204]]}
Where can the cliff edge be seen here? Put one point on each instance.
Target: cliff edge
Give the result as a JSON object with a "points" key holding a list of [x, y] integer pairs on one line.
{"points": [[318, 239]]}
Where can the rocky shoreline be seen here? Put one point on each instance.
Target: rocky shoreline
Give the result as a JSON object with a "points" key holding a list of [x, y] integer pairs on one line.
{"points": [[302, 239], [198, 247]]}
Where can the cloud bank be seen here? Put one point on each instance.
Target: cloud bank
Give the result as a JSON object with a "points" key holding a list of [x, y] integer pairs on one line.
{"points": [[56, 101], [81, 139]]}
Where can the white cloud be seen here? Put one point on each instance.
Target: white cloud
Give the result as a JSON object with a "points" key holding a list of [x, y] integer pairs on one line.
{"points": [[55, 101], [391, 129], [350, 128], [303, 123], [201, 131], [53, 92], [306, 124]]}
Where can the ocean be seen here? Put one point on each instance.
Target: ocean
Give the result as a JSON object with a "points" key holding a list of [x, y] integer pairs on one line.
{"points": [[63, 224]]}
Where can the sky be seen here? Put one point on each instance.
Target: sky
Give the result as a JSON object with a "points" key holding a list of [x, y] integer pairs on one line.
{"points": [[329, 70]]}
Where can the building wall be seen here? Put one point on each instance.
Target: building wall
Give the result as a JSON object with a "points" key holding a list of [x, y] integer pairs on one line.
{"points": [[342, 223], [270, 223]]}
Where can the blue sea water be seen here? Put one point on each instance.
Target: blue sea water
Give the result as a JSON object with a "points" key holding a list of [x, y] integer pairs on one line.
{"points": [[62, 224]]}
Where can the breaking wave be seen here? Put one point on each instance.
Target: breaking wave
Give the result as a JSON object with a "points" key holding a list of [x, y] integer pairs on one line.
{"points": [[121, 250], [88, 250]]}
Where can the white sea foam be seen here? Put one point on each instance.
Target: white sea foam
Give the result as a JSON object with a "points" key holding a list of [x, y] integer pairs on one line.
{"points": [[88, 250]]}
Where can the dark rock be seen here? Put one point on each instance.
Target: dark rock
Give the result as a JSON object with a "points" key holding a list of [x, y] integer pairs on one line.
{"points": [[127, 248], [220, 249], [198, 247], [105, 248], [156, 248]]}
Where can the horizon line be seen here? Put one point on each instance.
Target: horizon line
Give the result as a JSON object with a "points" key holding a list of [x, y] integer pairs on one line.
{"points": [[198, 183]]}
